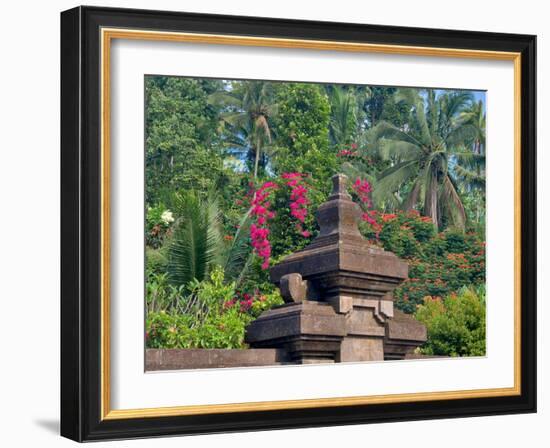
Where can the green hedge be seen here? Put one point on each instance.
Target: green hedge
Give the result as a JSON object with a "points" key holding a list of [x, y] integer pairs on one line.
{"points": [[456, 324]]}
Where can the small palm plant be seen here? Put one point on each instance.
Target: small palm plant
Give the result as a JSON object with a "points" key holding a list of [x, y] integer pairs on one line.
{"points": [[197, 245]]}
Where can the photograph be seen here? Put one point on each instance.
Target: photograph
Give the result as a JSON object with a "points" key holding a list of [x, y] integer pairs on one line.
{"points": [[298, 223]]}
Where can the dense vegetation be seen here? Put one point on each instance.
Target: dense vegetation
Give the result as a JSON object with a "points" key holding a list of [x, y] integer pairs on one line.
{"points": [[236, 169], [456, 324]]}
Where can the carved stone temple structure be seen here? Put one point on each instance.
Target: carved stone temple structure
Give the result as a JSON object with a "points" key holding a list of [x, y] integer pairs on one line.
{"points": [[339, 296], [339, 304]]}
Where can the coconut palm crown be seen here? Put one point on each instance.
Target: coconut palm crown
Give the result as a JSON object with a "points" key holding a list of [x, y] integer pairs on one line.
{"points": [[425, 155], [247, 115]]}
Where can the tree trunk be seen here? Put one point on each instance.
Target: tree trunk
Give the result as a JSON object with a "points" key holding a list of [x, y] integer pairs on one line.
{"points": [[412, 198], [430, 202], [256, 161]]}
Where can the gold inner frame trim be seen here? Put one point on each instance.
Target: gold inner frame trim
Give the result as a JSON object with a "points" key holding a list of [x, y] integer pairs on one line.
{"points": [[107, 35]]}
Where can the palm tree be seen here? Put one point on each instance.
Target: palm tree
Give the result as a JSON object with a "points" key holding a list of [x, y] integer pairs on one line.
{"points": [[248, 110], [197, 245], [470, 168], [343, 118], [421, 154], [474, 116]]}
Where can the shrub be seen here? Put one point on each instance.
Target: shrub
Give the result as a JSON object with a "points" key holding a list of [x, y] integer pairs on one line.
{"points": [[158, 221], [156, 259], [172, 330], [439, 263], [456, 324], [208, 314], [280, 211], [160, 295]]}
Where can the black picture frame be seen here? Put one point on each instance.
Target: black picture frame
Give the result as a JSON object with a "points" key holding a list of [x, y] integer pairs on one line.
{"points": [[81, 224]]}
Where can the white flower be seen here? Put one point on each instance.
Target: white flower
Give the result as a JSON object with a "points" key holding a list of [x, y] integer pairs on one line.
{"points": [[167, 217]]}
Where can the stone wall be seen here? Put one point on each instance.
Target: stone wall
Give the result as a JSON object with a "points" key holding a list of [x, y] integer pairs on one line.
{"points": [[176, 359]]}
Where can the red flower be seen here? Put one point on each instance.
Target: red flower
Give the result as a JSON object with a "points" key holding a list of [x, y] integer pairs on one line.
{"points": [[387, 217]]}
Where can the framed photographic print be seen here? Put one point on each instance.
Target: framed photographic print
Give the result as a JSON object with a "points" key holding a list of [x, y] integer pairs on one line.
{"points": [[273, 223]]}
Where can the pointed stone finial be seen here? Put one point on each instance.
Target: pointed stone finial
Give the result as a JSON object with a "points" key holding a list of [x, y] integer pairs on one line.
{"points": [[339, 216], [339, 187]]}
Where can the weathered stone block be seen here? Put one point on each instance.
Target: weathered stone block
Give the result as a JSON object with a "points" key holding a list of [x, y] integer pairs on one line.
{"points": [[179, 359], [357, 349], [309, 331], [403, 334]]}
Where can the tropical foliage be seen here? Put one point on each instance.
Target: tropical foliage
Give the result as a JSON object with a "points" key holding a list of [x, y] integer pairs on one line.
{"points": [[455, 324], [236, 169], [422, 155], [439, 262], [211, 314], [247, 110]]}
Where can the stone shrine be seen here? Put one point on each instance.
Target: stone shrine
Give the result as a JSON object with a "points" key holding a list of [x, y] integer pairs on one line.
{"points": [[338, 294]]}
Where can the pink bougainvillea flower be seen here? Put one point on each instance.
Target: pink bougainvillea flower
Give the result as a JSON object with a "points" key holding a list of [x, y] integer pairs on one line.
{"points": [[298, 196], [362, 189], [259, 211], [261, 214]]}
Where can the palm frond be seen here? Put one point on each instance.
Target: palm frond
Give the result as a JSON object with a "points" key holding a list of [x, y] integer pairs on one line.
{"points": [[472, 178], [399, 149], [343, 114], [469, 157], [391, 179], [453, 204], [195, 244], [414, 195], [238, 253], [423, 124], [408, 95], [262, 127], [460, 134], [456, 102], [353, 172], [386, 130], [224, 98], [235, 119], [431, 188]]}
